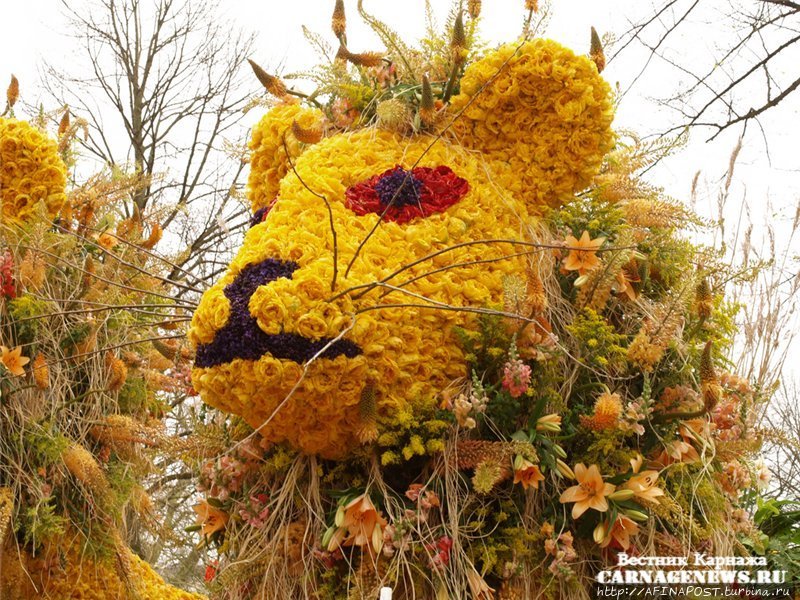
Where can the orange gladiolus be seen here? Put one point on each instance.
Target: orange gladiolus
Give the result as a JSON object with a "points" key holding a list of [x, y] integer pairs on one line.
{"points": [[590, 492]]}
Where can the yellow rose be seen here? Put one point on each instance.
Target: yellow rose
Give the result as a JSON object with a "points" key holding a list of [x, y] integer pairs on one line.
{"points": [[269, 370], [268, 309], [311, 326]]}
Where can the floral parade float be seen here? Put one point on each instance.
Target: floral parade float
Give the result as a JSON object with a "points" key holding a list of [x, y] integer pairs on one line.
{"points": [[81, 386], [466, 351]]}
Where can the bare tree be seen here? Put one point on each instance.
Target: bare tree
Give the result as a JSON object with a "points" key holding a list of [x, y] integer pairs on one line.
{"points": [[163, 95], [753, 70]]}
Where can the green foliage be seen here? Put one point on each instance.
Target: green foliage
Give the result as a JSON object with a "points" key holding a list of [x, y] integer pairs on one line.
{"points": [[23, 310], [133, 395], [778, 537], [41, 522], [600, 219], [600, 346], [44, 445], [486, 348]]}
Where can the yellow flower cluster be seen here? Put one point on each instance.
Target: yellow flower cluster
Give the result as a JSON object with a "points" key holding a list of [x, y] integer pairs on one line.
{"points": [[85, 579], [31, 171], [437, 265], [268, 161], [541, 111]]}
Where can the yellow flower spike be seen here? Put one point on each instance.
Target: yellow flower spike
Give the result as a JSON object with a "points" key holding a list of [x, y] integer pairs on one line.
{"points": [[63, 124], [41, 372], [474, 8], [338, 19], [272, 84], [596, 51], [12, 92]]}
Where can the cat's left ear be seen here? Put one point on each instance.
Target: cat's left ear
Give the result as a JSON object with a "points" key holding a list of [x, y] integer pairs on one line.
{"points": [[286, 126]]}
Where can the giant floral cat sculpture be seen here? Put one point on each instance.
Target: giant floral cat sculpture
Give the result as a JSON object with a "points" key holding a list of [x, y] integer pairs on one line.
{"points": [[377, 304]]}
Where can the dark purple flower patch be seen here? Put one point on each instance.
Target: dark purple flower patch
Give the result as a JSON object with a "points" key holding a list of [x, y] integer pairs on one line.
{"points": [[241, 337]]}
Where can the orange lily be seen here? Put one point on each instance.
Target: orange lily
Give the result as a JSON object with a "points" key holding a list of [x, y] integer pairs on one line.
{"points": [[209, 518], [358, 524], [582, 256], [527, 473], [621, 532], [590, 492], [624, 284], [643, 484], [13, 360], [677, 451]]}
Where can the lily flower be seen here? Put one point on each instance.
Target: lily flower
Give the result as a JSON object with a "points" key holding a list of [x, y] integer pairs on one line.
{"points": [[582, 256], [209, 518], [13, 360], [527, 473], [621, 533], [590, 492]]}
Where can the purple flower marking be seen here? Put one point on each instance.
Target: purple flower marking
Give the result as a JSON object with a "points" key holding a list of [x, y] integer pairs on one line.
{"points": [[241, 337], [400, 185]]}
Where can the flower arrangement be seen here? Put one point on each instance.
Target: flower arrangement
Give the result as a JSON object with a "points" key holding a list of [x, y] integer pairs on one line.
{"points": [[289, 296], [473, 352], [84, 378]]}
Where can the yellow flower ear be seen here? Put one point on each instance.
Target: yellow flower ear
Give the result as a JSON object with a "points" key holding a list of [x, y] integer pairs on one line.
{"points": [[541, 110], [287, 126]]}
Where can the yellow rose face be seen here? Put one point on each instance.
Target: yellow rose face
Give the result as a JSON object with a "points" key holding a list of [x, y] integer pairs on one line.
{"points": [[366, 260]]}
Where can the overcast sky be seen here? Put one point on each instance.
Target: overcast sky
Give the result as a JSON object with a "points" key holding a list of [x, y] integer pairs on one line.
{"points": [[34, 30]]}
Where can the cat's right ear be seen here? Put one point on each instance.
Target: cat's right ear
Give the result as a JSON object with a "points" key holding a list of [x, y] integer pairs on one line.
{"points": [[540, 109]]}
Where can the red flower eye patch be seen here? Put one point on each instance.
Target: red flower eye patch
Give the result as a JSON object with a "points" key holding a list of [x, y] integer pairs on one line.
{"points": [[401, 195]]}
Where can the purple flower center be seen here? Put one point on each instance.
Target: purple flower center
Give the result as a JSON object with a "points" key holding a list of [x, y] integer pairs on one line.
{"points": [[399, 188]]}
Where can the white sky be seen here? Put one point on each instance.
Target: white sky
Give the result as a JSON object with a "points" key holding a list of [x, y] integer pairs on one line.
{"points": [[33, 30]]}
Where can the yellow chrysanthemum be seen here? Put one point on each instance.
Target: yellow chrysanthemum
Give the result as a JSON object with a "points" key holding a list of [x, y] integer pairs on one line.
{"points": [[119, 577], [31, 172]]}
